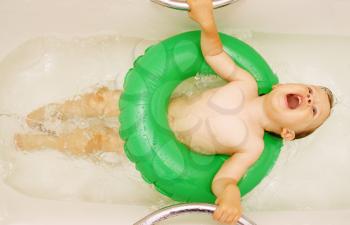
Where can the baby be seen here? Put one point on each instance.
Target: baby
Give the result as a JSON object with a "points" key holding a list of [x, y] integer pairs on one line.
{"points": [[230, 119]]}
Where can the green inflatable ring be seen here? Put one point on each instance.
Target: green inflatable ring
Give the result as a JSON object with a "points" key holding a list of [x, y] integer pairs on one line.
{"points": [[176, 171]]}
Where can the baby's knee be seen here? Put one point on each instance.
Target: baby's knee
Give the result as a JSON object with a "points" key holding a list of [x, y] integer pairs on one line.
{"points": [[100, 98], [92, 104], [103, 139], [94, 143], [104, 101]]}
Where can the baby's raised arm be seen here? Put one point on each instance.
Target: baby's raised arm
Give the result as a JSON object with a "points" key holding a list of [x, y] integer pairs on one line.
{"points": [[201, 11], [224, 184]]}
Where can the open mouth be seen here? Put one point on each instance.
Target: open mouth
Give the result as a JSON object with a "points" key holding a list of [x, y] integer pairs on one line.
{"points": [[294, 101]]}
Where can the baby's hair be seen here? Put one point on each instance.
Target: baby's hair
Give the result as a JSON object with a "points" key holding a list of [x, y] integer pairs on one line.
{"points": [[331, 103], [330, 95]]}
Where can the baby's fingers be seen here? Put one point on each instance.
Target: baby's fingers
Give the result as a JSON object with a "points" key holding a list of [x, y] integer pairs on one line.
{"points": [[190, 3], [224, 217], [217, 214], [230, 219], [236, 218]]}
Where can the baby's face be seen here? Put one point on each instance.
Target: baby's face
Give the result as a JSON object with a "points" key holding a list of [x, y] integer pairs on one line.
{"points": [[298, 107]]}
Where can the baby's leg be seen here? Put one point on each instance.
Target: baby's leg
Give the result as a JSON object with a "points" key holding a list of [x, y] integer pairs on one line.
{"points": [[78, 142], [102, 103]]}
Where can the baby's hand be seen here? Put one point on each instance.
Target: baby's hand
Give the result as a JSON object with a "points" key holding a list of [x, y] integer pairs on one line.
{"points": [[229, 209], [201, 11]]}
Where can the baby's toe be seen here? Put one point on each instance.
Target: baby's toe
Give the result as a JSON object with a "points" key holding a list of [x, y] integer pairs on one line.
{"points": [[35, 118], [18, 139]]}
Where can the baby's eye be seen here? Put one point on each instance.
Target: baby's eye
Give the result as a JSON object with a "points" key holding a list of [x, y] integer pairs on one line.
{"points": [[314, 110], [310, 90]]}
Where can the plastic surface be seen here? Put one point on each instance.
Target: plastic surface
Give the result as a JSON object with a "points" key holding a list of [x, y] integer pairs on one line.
{"points": [[175, 170], [183, 5], [181, 209]]}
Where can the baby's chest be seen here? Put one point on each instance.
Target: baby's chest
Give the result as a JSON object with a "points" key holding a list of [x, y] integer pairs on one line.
{"points": [[213, 120], [232, 131]]}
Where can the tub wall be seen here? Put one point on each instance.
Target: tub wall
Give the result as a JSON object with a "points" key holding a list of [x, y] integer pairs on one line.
{"points": [[22, 19]]}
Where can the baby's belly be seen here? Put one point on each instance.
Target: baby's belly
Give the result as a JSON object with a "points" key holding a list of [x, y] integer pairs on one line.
{"points": [[198, 127], [197, 137]]}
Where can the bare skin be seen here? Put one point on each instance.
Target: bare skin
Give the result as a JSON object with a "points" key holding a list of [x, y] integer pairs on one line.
{"points": [[77, 142], [228, 120], [236, 117], [102, 103]]}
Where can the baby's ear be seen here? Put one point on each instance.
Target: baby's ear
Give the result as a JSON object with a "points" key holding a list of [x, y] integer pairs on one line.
{"points": [[288, 134]]}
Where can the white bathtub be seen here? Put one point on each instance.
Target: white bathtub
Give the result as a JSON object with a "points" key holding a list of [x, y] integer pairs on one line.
{"points": [[304, 41]]}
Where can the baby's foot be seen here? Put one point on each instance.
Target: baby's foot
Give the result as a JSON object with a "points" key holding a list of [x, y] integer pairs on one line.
{"points": [[23, 142], [37, 118], [36, 141]]}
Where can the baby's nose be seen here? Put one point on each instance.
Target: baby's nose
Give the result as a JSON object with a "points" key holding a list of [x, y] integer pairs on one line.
{"points": [[309, 99]]}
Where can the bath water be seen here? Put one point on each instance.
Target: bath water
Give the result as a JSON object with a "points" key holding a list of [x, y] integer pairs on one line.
{"points": [[311, 173]]}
